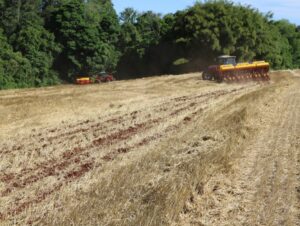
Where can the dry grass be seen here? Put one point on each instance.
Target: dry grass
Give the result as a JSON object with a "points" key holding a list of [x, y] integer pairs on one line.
{"points": [[126, 153]]}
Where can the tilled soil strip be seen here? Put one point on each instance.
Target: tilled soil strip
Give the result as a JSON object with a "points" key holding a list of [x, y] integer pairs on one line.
{"points": [[82, 158], [14, 179], [84, 168], [92, 126]]}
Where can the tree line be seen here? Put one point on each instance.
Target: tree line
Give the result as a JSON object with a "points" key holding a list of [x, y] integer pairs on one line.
{"points": [[47, 42]]}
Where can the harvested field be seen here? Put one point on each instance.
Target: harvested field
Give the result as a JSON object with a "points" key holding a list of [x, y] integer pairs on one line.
{"points": [[171, 150]]}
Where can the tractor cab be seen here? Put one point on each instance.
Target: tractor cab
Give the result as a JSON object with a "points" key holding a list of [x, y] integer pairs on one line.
{"points": [[226, 60]]}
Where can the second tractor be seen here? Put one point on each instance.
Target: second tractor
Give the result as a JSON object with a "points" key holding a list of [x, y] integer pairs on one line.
{"points": [[228, 70]]}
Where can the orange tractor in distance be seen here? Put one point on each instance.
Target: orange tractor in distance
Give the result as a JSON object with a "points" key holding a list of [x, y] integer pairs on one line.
{"points": [[229, 71], [100, 78]]}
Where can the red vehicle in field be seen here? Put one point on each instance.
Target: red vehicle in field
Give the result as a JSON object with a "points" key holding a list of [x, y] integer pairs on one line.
{"points": [[103, 77], [100, 78]]}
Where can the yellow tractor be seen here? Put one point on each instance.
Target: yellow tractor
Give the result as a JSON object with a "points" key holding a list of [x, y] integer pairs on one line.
{"points": [[229, 71]]}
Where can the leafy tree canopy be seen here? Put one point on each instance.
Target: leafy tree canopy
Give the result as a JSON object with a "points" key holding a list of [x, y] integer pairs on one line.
{"points": [[43, 42]]}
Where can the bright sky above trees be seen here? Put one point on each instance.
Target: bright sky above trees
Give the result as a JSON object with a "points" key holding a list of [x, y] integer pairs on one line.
{"points": [[282, 9]]}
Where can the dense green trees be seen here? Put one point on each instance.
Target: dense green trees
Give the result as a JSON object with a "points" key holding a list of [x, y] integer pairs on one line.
{"points": [[290, 36], [87, 33], [31, 45], [141, 33], [43, 42], [15, 70], [191, 39]]}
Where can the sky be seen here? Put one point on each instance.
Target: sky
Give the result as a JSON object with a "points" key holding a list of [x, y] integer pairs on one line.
{"points": [[282, 9]]}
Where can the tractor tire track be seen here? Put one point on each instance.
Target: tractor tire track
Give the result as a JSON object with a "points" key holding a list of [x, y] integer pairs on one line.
{"points": [[275, 191], [263, 188]]}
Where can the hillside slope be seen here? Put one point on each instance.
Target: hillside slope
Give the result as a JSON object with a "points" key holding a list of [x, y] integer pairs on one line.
{"points": [[171, 150]]}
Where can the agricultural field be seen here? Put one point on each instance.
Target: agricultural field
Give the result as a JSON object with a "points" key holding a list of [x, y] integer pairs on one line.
{"points": [[170, 150]]}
